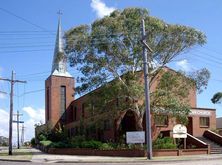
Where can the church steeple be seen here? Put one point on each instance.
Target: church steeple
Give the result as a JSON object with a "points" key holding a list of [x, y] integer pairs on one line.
{"points": [[59, 67]]}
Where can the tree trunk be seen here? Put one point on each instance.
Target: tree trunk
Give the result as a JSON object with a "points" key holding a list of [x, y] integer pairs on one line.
{"points": [[139, 123], [139, 117]]}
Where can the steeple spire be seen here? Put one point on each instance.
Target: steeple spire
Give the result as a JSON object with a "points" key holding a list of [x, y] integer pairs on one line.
{"points": [[59, 67]]}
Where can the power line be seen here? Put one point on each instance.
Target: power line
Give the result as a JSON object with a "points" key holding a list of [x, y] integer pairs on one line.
{"points": [[26, 31], [11, 34], [211, 55], [34, 91], [17, 51], [208, 59], [24, 43], [25, 34], [23, 19], [25, 46], [217, 52], [26, 38], [31, 74]]}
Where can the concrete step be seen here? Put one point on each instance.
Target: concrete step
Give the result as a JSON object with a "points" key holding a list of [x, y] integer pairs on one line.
{"points": [[212, 144], [214, 147]]}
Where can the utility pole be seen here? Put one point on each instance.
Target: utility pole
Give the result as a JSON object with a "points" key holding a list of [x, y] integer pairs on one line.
{"points": [[18, 121], [147, 92], [12, 81], [23, 135]]}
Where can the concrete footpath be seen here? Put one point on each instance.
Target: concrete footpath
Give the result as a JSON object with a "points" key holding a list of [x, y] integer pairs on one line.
{"points": [[34, 155]]}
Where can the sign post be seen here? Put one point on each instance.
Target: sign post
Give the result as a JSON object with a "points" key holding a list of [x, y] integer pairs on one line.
{"points": [[180, 131]]}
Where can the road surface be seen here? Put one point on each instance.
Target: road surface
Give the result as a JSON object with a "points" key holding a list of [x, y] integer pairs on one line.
{"points": [[196, 162]]}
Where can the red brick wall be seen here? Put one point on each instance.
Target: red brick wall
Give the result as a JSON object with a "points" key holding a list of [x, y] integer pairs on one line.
{"points": [[197, 129], [53, 84], [153, 85]]}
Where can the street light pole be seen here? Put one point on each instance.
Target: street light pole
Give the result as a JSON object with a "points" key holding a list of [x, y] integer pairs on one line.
{"points": [[147, 92]]}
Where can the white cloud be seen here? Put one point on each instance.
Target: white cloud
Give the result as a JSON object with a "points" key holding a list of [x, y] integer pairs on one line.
{"points": [[2, 95], [184, 65], [1, 69], [4, 126], [100, 8], [35, 116], [4, 123]]}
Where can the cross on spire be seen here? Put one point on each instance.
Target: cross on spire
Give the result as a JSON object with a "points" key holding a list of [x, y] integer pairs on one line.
{"points": [[59, 67], [59, 13]]}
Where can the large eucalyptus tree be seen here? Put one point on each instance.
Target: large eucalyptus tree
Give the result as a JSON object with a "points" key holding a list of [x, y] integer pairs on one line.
{"points": [[110, 49]]}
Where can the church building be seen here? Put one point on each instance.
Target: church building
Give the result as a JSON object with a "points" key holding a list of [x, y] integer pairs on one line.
{"points": [[59, 86], [63, 110]]}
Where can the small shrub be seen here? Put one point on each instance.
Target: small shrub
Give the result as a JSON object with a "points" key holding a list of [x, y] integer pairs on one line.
{"points": [[164, 143], [135, 146], [106, 146], [57, 136], [42, 137], [91, 144], [76, 141], [46, 143], [33, 142], [215, 131], [60, 145]]}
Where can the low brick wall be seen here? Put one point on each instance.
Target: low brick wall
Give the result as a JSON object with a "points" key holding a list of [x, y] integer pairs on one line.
{"points": [[176, 152], [166, 152], [194, 151], [92, 152], [124, 152]]}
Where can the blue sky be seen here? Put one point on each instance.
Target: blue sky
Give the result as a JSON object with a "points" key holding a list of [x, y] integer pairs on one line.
{"points": [[27, 37]]}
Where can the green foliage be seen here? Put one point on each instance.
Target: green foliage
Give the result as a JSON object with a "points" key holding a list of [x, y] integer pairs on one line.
{"points": [[200, 77], [215, 131], [164, 143], [111, 46], [76, 141], [91, 144], [107, 146], [171, 95], [217, 98], [59, 56], [4, 144], [46, 143], [33, 142], [60, 144], [42, 137], [58, 135], [79, 143], [110, 49]]}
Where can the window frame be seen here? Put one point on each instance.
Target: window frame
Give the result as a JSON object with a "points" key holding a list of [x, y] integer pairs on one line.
{"points": [[207, 121], [63, 102], [166, 120]]}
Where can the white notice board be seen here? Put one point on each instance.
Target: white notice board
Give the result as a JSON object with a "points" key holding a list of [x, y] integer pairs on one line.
{"points": [[135, 137]]}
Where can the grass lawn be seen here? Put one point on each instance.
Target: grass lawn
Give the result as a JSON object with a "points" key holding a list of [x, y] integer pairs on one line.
{"points": [[17, 154]]}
